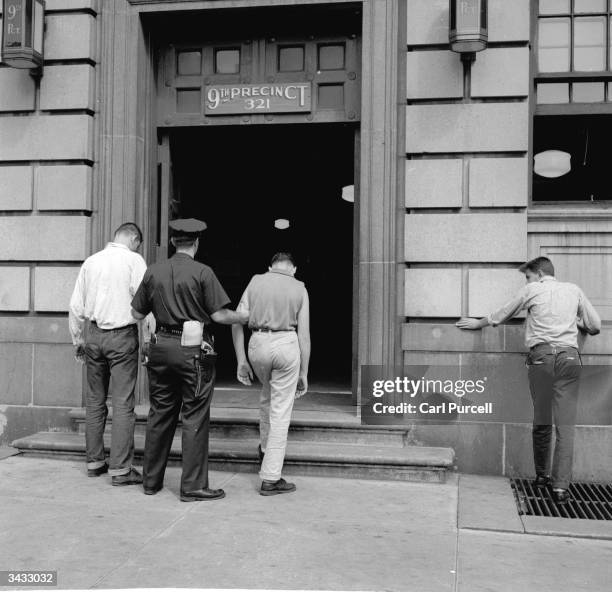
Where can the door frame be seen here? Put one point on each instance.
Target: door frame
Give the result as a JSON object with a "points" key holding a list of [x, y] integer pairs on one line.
{"points": [[126, 141]]}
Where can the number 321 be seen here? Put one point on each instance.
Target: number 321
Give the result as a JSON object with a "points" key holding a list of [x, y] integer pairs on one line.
{"points": [[252, 104]]}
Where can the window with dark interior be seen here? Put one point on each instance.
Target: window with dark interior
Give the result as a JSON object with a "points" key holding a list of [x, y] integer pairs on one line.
{"points": [[573, 114]]}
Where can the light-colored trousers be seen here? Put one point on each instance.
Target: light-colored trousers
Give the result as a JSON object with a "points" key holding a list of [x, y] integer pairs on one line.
{"points": [[275, 358]]}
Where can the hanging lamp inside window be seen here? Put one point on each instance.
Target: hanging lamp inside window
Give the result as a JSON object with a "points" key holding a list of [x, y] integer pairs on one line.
{"points": [[552, 163]]}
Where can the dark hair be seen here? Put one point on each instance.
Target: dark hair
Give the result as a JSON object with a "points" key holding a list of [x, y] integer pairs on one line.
{"points": [[543, 264], [184, 242], [131, 229], [282, 257]]}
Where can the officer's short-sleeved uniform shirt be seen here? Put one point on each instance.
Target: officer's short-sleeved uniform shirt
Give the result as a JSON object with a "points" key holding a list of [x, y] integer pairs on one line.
{"points": [[178, 290]]}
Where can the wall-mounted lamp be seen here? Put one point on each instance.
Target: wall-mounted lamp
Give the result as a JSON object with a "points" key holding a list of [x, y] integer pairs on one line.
{"points": [[23, 27], [468, 31]]}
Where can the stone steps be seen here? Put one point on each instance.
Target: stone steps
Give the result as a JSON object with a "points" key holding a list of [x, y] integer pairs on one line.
{"points": [[325, 438], [407, 463], [307, 426]]}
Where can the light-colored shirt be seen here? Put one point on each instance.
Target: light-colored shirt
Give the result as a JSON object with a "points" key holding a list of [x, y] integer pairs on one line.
{"points": [[104, 290], [273, 301], [553, 311]]}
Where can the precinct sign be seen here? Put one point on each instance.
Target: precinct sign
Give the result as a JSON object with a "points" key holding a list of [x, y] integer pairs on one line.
{"points": [[231, 99]]}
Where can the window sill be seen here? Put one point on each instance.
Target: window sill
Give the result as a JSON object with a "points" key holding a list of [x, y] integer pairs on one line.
{"points": [[571, 217]]}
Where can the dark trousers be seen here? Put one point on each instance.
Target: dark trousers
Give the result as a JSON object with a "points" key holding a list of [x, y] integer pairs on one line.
{"points": [[554, 375], [180, 382], [111, 359]]}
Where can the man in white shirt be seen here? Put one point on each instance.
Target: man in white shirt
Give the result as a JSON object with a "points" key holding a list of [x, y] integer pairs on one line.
{"points": [[102, 295]]}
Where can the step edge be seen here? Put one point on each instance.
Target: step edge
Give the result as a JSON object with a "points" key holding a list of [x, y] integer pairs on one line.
{"points": [[79, 418], [74, 442]]}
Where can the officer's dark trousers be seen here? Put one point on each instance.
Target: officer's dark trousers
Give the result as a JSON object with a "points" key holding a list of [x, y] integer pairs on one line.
{"points": [[178, 384], [554, 375]]}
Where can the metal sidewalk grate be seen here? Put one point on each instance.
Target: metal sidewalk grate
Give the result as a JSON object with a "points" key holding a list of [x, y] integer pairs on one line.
{"points": [[590, 501]]}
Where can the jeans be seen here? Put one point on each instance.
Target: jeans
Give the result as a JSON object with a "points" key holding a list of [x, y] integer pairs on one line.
{"points": [[554, 375], [275, 358], [111, 359], [181, 383]]}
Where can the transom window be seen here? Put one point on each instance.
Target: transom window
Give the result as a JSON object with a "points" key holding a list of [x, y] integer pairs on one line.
{"points": [[573, 90]]}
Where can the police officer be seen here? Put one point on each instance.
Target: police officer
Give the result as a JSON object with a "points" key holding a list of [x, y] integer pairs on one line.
{"points": [[182, 294]]}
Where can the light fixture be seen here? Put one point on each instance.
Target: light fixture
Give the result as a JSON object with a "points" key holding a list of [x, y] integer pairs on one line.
{"points": [[23, 32], [552, 163], [348, 193], [281, 224], [468, 30]]}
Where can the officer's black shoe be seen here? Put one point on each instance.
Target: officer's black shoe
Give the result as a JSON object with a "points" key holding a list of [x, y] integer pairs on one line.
{"points": [[202, 495], [542, 481], [561, 496], [260, 454], [151, 490], [97, 472], [131, 478], [280, 486]]}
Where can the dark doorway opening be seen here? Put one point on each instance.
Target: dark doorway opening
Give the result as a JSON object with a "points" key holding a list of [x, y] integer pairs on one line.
{"points": [[240, 180]]}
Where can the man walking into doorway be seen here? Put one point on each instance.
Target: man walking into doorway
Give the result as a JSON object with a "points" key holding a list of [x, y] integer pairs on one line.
{"points": [[555, 313], [279, 350], [102, 295]]}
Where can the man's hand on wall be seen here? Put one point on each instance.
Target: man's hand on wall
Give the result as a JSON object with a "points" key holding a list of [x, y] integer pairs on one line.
{"points": [[469, 324]]}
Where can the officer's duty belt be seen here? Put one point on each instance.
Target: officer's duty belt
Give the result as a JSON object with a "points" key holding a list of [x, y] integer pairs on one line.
{"points": [[170, 329], [177, 331]]}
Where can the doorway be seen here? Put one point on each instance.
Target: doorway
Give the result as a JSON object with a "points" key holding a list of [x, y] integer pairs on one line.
{"points": [[262, 189]]}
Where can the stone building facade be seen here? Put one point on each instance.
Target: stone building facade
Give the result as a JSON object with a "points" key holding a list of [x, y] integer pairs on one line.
{"points": [[444, 211]]}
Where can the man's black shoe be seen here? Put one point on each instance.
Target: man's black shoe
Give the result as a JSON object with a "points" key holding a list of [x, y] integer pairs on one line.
{"points": [[542, 481], [202, 495], [561, 496], [97, 472], [151, 490], [260, 454], [280, 486], [131, 478]]}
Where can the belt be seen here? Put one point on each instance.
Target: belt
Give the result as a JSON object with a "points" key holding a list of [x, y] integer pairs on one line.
{"points": [[130, 326], [177, 331], [170, 329], [266, 330], [552, 349]]}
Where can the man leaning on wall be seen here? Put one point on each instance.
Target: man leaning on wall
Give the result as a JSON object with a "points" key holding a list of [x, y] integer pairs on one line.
{"points": [[556, 312], [106, 283]]}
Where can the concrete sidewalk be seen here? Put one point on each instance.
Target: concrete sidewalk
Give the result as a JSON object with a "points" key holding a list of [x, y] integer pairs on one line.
{"points": [[332, 534]]}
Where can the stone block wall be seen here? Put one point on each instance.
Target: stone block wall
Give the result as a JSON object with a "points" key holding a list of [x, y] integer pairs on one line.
{"points": [[46, 207], [467, 226], [467, 143]]}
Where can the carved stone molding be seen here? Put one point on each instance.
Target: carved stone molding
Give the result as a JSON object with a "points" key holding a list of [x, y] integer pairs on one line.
{"points": [[120, 135]]}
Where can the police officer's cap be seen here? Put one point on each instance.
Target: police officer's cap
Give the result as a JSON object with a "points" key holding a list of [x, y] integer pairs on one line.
{"points": [[186, 228]]}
